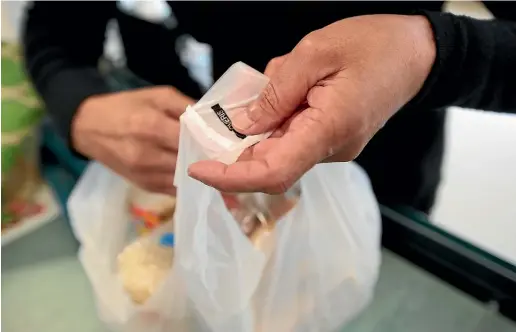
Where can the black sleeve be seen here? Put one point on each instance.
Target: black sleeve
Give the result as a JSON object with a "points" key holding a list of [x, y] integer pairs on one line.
{"points": [[63, 41], [475, 64]]}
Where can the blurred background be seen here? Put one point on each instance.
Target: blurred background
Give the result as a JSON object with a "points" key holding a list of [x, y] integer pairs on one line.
{"points": [[475, 204]]}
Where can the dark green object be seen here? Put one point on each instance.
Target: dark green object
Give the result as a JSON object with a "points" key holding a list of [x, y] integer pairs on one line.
{"points": [[17, 116], [12, 72]]}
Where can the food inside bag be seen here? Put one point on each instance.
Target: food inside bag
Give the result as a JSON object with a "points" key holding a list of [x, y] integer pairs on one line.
{"points": [[144, 263], [150, 210], [146, 260], [143, 266], [254, 212]]}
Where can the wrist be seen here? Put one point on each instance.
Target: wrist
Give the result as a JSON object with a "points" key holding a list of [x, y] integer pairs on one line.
{"points": [[424, 51], [427, 44], [80, 125]]}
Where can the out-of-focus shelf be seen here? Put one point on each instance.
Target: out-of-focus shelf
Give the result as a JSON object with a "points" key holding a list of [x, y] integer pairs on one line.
{"points": [[51, 212]]}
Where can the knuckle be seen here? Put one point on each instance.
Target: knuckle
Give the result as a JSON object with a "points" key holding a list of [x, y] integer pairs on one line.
{"points": [[154, 124], [310, 43], [148, 125], [315, 43], [133, 157], [135, 122], [275, 62], [274, 65], [168, 91]]}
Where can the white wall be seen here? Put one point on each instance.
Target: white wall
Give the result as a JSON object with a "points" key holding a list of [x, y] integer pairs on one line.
{"points": [[11, 17], [478, 192]]}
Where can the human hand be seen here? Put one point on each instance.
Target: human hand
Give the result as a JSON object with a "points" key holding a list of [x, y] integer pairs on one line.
{"points": [[329, 97], [135, 133]]}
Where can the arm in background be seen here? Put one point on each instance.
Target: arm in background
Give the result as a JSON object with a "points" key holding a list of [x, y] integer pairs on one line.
{"points": [[63, 41]]}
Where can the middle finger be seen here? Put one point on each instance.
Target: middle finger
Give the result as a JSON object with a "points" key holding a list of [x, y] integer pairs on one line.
{"points": [[147, 156]]}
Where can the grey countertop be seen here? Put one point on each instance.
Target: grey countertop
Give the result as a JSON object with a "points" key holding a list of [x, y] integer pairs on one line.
{"points": [[43, 285], [44, 289]]}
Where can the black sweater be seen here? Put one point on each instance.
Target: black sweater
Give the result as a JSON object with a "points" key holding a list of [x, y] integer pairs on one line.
{"points": [[475, 66]]}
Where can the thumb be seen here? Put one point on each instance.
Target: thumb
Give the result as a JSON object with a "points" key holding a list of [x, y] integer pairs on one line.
{"points": [[287, 89]]}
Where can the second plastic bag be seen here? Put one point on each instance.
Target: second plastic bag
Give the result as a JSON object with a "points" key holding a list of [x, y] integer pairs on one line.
{"points": [[325, 256], [99, 209]]}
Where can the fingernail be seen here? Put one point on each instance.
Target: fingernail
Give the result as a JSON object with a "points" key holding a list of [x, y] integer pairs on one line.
{"points": [[242, 120]]}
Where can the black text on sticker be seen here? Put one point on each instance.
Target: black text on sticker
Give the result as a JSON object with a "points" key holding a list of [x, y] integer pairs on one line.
{"points": [[224, 118]]}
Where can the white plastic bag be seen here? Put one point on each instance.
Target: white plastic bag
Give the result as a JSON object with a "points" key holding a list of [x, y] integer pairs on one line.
{"points": [[101, 221], [320, 270], [326, 255]]}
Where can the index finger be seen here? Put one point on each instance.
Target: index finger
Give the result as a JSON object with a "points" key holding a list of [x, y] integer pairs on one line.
{"points": [[172, 101], [154, 125]]}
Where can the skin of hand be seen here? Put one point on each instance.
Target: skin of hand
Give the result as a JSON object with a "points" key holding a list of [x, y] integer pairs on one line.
{"points": [[326, 99], [135, 133]]}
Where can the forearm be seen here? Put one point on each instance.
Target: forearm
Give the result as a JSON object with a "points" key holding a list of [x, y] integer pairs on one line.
{"points": [[475, 64]]}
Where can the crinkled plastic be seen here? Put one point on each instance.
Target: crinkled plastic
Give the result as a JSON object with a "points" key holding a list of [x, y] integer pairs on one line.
{"points": [[100, 218], [326, 255], [318, 271]]}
